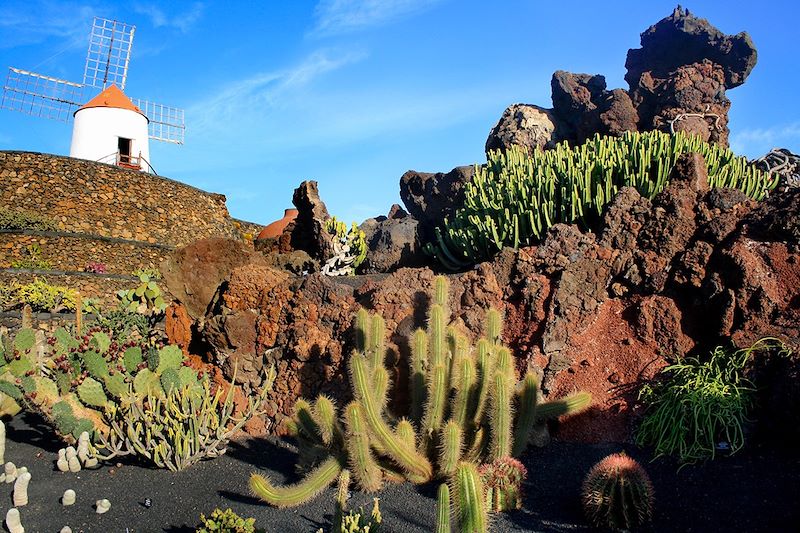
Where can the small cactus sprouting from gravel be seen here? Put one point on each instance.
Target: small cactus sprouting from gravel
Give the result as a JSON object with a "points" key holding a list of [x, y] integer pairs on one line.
{"points": [[10, 471], [13, 521], [21, 489], [617, 493], [68, 498], [102, 506]]}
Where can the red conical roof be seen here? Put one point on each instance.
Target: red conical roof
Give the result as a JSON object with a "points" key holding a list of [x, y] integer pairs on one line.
{"points": [[112, 96]]}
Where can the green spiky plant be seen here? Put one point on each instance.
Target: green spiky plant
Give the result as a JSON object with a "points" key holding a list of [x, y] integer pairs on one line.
{"points": [[443, 509], [354, 239], [463, 402], [71, 380], [176, 429], [516, 196], [617, 493], [226, 521], [503, 482]]}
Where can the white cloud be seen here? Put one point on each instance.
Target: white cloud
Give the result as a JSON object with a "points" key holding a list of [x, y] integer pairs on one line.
{"points": [[180, 21], [334, 17], [249, 100], [38, 21], [756, 142]]}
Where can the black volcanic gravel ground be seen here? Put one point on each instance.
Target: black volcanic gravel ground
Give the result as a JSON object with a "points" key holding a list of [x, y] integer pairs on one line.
{"points": [[756, 490]]}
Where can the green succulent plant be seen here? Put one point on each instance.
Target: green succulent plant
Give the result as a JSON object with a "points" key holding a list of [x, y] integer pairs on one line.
{"points": [[517, 196]]}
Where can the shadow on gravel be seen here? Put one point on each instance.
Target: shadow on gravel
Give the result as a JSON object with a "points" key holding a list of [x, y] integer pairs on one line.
{"points": [[34, 431]]}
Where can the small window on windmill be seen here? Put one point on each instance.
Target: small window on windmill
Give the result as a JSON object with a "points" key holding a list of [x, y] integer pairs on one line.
{"points": [[124, 147]]}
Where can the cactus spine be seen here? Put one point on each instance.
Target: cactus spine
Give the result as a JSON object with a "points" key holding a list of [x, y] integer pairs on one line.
{"points": [[419, 362], [451, 445]]}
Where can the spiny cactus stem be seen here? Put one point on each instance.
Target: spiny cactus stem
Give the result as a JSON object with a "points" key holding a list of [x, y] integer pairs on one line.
{"points": [[470, 501], [527, 413], [419, 360], [407, 458], [342, 493], [443, 509], [314, 483], [450, 448], [501, 414], [363, 465]]}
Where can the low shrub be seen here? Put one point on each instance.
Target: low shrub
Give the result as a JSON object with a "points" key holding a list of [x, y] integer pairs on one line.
{"points": [[133, 397], [95, 267], [226, 522], [40, 295], [24, 219], [517, 196], [32, 259], [694, 404]]}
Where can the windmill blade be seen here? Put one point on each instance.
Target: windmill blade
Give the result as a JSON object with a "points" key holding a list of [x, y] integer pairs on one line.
{"points": [[166, 123], [41, 96], [109, 53]]}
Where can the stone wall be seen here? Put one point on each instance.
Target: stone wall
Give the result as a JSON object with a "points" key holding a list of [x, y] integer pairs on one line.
{"points": [[89, 285], [72, 251], [96, 198]]}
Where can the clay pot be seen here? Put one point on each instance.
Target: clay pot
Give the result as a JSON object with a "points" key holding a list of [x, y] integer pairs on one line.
{"points": [[275, 229]]}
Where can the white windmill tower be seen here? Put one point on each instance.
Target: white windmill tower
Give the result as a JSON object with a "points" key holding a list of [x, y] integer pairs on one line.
{"points": [[109, 127]]}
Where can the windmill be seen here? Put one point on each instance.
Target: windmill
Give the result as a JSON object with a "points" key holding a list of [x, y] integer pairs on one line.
{"points": [[109, 127]]}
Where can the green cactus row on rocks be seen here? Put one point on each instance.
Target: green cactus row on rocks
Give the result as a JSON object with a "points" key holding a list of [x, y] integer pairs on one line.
{"points": [[516, 196], [465, 411]]}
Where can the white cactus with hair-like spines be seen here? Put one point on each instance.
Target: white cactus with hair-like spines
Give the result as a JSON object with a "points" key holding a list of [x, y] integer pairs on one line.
{"points": [[21, 489], [13, 522]]}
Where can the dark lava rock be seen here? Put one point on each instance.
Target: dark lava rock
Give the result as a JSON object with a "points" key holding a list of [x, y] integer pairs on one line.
{"points": [[679, 76], [308, 230], [392, 242], [431, 197]]}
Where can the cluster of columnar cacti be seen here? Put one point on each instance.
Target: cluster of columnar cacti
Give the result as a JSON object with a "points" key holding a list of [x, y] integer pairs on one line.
{"points": [[467, 408], [617, 493], [516, 196], [179, 427], [349, 248]]}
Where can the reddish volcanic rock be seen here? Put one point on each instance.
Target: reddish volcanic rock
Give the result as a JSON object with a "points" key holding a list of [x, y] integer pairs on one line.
{"points": [[609, 361], [193, 273], [178, 326]]}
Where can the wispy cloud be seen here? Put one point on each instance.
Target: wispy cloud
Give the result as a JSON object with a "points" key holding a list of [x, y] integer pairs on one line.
{"points": [[333, 17], [758, 141], [251, 99], [38, 21], [181, 21]]}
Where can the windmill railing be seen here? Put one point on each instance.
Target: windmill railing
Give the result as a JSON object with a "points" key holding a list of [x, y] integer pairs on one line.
{"points": [[128, 161]]}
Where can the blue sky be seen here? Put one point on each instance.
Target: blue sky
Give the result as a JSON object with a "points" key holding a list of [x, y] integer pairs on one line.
{"points": [[352, 93]]}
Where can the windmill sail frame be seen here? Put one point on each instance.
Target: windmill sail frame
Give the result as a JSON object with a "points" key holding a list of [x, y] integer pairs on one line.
{"points": [[107, 61], [41, 96], [109, 53]]}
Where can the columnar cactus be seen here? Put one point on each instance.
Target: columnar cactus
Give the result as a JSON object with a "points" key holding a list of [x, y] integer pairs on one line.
{"points": [[13, 521], [617, 493], [21, 489], [469, 497], [443, 509], [463, 405], [517, 196], [503, 481]]}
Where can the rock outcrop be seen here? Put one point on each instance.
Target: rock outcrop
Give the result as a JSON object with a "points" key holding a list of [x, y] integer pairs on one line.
{"points": [[430, 198], [600, 312], [392, 242], [677, 82]]}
